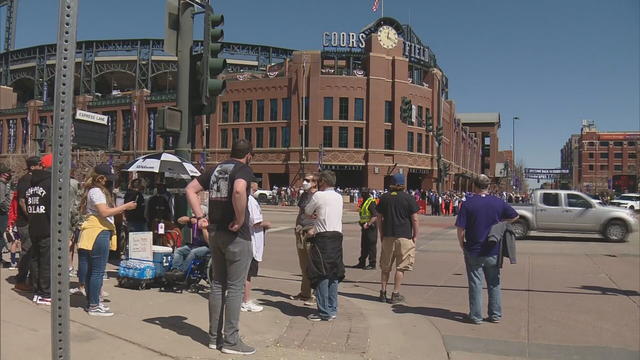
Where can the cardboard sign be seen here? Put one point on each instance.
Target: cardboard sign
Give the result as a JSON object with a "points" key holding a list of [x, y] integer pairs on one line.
{"points": [[140, 245]]}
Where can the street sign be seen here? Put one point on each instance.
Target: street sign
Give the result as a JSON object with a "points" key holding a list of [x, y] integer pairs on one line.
{"points": [[169, 120], [171, 27]]}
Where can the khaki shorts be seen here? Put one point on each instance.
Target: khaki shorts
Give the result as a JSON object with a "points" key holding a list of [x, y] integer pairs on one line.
{"points": [[402, 251]]}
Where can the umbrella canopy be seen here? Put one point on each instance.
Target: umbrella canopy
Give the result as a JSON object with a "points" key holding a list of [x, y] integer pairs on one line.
{"points": [[162, 163]]}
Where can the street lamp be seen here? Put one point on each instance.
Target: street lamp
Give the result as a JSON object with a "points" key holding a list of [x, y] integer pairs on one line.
{"points": [[513, 149]]}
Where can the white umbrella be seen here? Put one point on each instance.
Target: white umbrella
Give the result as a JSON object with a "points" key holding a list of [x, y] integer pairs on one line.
{"points": [[163, 163]]}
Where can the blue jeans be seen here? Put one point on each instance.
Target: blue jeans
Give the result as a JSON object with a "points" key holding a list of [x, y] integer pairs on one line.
{"points": [[83, 265], [477, 267], [136, 226], [327, 298], [95, 262], [184, 256]]}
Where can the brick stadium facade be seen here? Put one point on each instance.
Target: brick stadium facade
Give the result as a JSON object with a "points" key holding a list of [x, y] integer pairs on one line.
{"points": [[350, 96]]}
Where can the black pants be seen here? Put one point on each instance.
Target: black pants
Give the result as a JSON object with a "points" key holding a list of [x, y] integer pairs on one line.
{"points": [[41, 266], [368, 243], [25, 257]]}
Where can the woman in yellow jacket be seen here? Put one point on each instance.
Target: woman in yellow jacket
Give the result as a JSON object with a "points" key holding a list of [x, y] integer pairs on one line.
{"points": [[98, 234]]}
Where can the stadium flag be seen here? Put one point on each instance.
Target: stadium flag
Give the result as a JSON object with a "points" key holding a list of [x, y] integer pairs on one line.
{"points": [[374, 8]]}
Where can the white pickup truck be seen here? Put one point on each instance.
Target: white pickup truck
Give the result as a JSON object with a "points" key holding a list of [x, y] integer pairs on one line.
{"points": [[575, 212]]}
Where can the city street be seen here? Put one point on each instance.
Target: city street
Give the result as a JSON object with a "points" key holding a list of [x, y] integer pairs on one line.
{"points": [[568, 297]]}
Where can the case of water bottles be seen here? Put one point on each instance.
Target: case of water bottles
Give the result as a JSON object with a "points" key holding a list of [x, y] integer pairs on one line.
{"points": [[137, 269]]}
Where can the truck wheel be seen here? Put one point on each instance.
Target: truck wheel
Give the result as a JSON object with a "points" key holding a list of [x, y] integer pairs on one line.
{"points": [[520, 228], [262, 199], [615, 231]]}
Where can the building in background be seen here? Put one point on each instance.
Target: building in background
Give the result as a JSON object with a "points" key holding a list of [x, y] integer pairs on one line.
{"points": [[602, 161], [337, 108]]}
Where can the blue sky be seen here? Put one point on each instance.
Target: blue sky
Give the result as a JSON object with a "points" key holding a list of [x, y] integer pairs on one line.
{"points": [[549, 62]]}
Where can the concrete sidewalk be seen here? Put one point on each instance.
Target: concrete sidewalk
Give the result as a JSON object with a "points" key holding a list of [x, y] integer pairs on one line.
{"points": [[151, 324]]}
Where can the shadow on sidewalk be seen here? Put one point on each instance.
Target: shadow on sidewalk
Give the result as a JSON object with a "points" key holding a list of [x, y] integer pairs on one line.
{"points": [[359, 296], [432, 312], [274, 293], [288, 308], [178, 325], [609, 291]]}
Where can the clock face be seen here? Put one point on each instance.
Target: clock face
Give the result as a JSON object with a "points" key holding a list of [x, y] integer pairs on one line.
{"points": [[387, 37]]}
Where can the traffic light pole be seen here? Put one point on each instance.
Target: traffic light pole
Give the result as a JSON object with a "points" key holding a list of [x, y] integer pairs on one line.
{"points": [[185, 42]]}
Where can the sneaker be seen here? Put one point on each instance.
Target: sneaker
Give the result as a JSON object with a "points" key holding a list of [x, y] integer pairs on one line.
{"points": [[396, 298], [105, 276], [13, 267], [315, 317], [474, 321], [239, 348], [383, 296], [298, 297], [99, 311], [104, 307], [77, 291], [43, 300], [357, 266], [35, 298], [493, 319], [72, 272], [215, 346], [369, 267], [23, 287], [310, 302], [332, 317], [250, 307]]}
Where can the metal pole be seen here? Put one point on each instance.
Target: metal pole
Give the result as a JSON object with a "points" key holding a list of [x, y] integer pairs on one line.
{"points": [[185, 41], [304, 109], [513, 150], [62, 126]]}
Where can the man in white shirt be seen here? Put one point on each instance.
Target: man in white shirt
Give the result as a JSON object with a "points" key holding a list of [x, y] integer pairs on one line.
{"points": [[325, 267], [257, 228]]}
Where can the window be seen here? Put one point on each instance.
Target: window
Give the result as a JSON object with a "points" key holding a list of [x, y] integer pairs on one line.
{"points": [[235, 134], [236, 111], [358, 109], [327, 136], [577, 201], [224, 138], [388, 139], [631, 143], [260, 110], [126, 131], [286, 137], [604, 167], [358, 138], [247, 134], [591, 156], [410, 141], [273, 137], [604, 143], [632, 168], [617, 167], [328, 108], [426, 144], [590, 167], [343, 137], [388, 112], [343, 109], [225, 112], [113, 128], [248, 111], [419, 146], [617, 155], [631, 155], [273, 109], [259, 137], [604, 155], [551, 199], [617, 143], [286, 109], [591, 144], [151, 137]]}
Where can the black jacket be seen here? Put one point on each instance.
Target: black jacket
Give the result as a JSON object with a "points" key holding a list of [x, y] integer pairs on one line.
{"points": [[38, 199], [325, 258]]}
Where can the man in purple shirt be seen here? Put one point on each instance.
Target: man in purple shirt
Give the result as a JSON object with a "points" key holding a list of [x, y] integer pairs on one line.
{"points": [[477, 215]]}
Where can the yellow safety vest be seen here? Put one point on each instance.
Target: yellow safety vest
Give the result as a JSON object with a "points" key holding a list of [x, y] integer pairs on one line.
{"points": [[365, 214]]}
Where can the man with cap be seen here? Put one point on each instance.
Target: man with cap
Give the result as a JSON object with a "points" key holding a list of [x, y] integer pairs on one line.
{"points": [[398, 226], [33, 163], [477, 215], [368, 232], [5, 200], [38, 204]]}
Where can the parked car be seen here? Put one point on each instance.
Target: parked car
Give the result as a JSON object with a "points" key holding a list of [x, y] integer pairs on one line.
{"points": [[627, 201], [574, 212], [264, 196]]}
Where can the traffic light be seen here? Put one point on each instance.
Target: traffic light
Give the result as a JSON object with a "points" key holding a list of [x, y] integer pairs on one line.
{"points": [[439, 133], [429, 120], [210, 65], [406, 110]]}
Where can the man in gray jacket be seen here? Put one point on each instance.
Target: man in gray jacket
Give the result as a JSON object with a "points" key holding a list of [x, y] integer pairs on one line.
{"points": [[5, 200]]}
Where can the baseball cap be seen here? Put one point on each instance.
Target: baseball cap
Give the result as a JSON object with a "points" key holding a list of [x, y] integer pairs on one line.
{"points": [[106, 170], [33, 161], [397, 179], [47, 161]]}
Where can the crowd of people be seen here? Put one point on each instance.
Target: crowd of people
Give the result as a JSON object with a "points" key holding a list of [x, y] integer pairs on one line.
{"points": [[231, 228]]}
